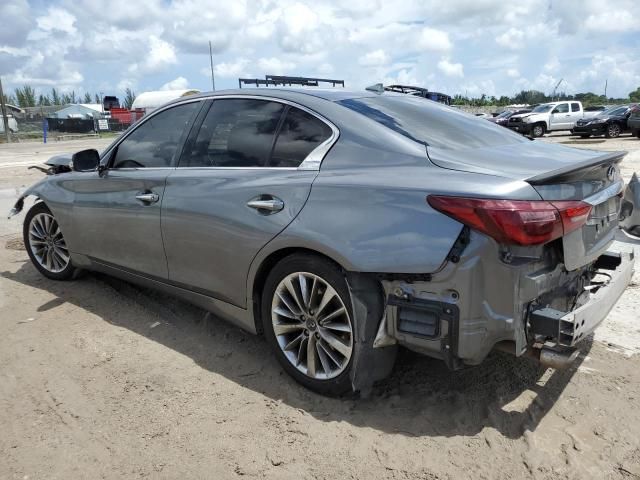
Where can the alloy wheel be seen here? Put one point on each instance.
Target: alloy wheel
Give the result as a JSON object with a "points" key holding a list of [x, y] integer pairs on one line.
{"points": [[47, 243], [312, 325], [613, 130]]}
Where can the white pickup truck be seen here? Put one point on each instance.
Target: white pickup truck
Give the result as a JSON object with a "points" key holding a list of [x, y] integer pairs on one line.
{"points": [[549, 117]]}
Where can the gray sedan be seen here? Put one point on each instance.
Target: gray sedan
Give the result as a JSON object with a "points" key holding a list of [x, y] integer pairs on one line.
{"points": [[341, 225]]}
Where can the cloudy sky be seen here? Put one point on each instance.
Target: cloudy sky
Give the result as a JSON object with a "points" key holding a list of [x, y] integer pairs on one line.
{"points": [[455, 46]]}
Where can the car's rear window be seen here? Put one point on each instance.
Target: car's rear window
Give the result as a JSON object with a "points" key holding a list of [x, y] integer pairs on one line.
{"points": [[431, 123]]}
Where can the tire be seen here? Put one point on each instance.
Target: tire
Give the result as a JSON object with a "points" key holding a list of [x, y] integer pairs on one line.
{"points": [[585, 136], [636, 133], [537, 130], [331, 366], [613, 131], [45, 244]]}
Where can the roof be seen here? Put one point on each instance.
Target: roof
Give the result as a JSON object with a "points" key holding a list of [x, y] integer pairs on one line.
{"points": [[93, 106], [77, 109], [331, 94]]}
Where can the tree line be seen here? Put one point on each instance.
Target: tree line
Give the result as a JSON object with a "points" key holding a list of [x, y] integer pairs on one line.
{"points": [[532, 97], [27, 96]]}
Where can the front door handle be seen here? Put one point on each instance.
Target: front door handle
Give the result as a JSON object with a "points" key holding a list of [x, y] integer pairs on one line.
{"points": [[148, 197], [266, 204]]}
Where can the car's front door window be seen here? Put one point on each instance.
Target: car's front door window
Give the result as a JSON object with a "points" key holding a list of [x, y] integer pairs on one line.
{"points": [[236, 132], [562, 108], [154, 143]]}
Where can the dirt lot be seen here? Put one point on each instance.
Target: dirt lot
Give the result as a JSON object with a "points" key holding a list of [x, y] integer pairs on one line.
{"points": [[101, 379]]}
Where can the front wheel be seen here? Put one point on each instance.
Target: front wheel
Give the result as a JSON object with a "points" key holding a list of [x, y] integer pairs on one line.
{"points": [[307, 320], [537, 131], [613, 131], [45, 244]]}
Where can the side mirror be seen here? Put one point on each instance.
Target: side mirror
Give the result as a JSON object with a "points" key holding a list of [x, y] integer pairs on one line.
{"points": [[85, 160]]}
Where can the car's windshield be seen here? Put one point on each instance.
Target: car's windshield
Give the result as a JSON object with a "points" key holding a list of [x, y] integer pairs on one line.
{"points": [[506, 113], [617, 110], [431, 123], [545, 107]]}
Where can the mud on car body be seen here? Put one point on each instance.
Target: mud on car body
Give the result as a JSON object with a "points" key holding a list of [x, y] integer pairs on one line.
{"points": [[342, 225]]}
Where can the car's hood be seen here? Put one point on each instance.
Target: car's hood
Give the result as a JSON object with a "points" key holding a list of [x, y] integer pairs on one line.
{"points": [[520, 161]]}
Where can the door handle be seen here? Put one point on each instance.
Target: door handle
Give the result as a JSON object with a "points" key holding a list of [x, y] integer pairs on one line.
{"points": [[266, 203], [148, 197]]}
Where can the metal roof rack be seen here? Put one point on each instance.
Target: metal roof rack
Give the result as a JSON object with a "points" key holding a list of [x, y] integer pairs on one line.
{"points": [[275, 80]]}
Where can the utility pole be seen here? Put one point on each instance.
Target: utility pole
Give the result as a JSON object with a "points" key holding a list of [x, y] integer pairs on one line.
{"points": [[213, 81], [605, 89], [3, 110], [555, 88]]}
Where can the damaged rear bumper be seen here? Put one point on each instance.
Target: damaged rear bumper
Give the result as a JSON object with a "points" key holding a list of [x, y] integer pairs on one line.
{"points": [[476, 307], [566, 329]]}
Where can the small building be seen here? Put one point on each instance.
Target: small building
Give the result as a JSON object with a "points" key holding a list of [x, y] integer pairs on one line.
{"points": [[83, 111], [149, 101]]}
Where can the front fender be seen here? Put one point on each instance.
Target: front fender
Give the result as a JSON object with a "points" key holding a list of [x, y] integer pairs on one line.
{"points": [[57, 193], [33, 190]]}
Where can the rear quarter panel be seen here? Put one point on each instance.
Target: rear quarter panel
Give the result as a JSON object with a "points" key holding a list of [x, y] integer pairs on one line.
{"points": [[374, 217]]}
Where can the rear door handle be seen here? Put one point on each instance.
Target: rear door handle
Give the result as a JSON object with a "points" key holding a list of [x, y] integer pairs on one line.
{"points": [[266, 203], [148, 197]]}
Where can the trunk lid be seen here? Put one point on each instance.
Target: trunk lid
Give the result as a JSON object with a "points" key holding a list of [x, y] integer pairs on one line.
{"points": [[556, 173]]}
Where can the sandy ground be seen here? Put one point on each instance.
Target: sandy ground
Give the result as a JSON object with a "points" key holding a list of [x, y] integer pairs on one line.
{"points": [[101, 379]]}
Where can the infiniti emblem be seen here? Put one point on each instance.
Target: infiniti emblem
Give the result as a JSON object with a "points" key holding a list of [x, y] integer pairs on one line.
{"points": [[611, 172]]}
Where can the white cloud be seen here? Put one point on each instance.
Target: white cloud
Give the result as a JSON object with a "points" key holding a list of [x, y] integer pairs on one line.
{"points": [[275, 66], [511, 39], [434, 40], [450, 69], [612, 20], [233, 69], [179, 83], [57, 19], [528, 44], [160, 55], [375, 58]]}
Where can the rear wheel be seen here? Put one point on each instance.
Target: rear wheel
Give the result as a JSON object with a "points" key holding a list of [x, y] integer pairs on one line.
{"points": [[613, 131], [45, 244], [307, 320], [537, 130]]}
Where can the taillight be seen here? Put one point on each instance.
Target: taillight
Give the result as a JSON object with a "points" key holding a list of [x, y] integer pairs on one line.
{"points": [[520, 222]]}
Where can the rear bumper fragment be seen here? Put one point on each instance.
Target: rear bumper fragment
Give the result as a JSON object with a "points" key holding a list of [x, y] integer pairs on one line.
{"points": [[569, 328]]}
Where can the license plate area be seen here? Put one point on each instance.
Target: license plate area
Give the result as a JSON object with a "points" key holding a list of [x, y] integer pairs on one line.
{"points": [[584, 245]]}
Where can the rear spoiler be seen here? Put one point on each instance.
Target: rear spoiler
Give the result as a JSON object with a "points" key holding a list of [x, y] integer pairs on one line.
{"points": [[564, 174]]}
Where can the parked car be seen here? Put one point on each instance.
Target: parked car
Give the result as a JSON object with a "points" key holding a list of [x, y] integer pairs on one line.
{"points": [[633, 123], [595, 109], [12, 123], [548, 117], [610, 123], [504, 117], [343, 224]]}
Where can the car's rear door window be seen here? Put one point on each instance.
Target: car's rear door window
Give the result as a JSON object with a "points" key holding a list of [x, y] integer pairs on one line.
{"points": [[575, 107], [236, 132], [154, 143], [299, 135]]}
